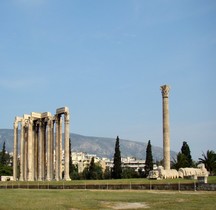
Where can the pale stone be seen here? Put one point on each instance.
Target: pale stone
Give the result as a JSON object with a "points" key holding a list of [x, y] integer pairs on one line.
{"points": [[39, 159], [46, 114], [62, 110], [15, 149], [67, 139], [30, 152], [22, 151], [36, 114], [18, 119], [166, 130], [26, 116], [161, 173], [193, 172], [57, 150]]}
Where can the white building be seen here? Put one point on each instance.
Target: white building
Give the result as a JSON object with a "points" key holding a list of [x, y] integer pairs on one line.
{"points": [[82, 160], [132, 162]]}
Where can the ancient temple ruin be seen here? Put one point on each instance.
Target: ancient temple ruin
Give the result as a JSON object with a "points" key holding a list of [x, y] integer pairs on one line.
{"points": [[41, 146]]}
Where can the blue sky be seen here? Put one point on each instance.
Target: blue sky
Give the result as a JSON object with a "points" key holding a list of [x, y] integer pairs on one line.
{"points": [[106, 61]]}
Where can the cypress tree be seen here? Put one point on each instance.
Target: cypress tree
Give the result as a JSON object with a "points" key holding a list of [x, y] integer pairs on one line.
{"points": [[70, 160], [92, 170], [183, 159], [5, 169], [186, 151], [149, 159], [3, 160], [117, 169]]}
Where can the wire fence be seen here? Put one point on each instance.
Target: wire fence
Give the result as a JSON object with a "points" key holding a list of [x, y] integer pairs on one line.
{"points": [[128, 186]]}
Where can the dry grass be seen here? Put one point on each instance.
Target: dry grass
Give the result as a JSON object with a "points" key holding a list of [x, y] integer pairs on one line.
{"points": [[103, 199]]}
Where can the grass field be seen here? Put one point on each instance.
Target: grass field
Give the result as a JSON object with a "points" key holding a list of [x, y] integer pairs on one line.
{"points": [[106, 199], [103, 200], [211, 179]]}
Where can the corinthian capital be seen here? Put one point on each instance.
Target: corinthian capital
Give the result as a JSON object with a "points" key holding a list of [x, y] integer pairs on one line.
{"points": [[165, 91]]}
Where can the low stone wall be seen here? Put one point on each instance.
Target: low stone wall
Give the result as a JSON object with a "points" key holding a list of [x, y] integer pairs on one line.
{"points": [[174, 187], [207, 187]]}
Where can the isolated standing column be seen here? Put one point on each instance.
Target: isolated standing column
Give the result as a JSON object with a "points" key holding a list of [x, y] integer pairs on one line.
{"points": [[166, 128]]}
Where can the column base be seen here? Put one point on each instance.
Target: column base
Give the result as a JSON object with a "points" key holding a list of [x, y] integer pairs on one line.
{"points": [[67, 178], [48, 179]]}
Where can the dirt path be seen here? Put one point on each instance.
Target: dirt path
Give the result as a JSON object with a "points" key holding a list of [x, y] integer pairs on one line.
{"points": [[124, 205]]}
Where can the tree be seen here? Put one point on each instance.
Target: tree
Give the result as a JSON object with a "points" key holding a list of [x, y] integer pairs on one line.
{"points": [[93, 171], [70, 160], [3, 159], [128, 173], [180, 162], [149, 159], [117, 169], [183, 159], [210, 161], [107, 173], [75, 173], [5, 162], [186, 151]]}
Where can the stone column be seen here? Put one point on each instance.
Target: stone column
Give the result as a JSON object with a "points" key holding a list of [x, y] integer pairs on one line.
{"points": [[57, 147], [15, 150], [36, 151], [66, 149], [40, 158], [22, 151], [52, 148], [44, 151], [49, 151], [60, 148], [30, 151], [166, 128], [26, 152]]}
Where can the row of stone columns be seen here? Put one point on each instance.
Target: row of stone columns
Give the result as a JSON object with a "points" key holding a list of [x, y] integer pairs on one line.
{"points": [[40, 143]]}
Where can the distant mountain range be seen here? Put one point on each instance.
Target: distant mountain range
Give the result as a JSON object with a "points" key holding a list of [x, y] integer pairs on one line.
{"points": [[102, 147]]}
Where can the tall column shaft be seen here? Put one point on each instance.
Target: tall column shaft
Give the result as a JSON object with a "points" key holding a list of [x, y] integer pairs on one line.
{"points": [[40, 165], [66, 149], [60, 148], [30, 152], [49, 152], [57, 146], [26, 154], [15, 151], [52, 150], [44, 151], [36, 152], [22, 150], [166, 127]]}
